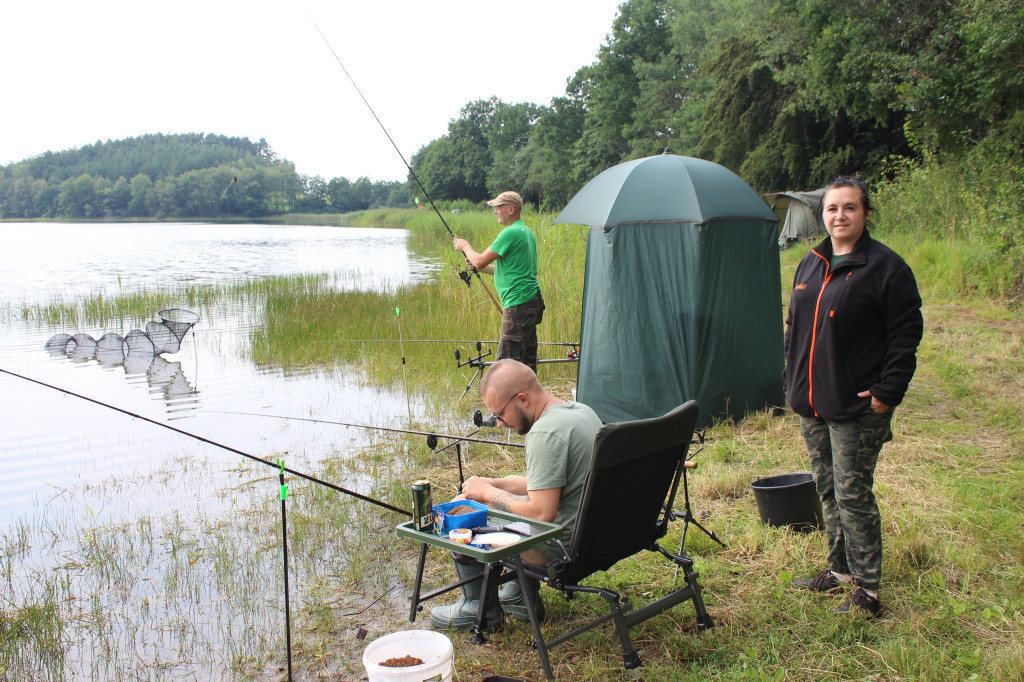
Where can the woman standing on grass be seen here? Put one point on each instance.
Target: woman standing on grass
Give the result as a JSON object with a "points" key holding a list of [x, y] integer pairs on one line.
{"points": [[852, 333]]}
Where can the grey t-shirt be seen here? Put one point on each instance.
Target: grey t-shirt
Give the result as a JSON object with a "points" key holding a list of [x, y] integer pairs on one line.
{"points": [[558, 451]]}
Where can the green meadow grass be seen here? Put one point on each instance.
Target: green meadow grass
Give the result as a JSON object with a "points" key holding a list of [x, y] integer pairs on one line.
{"points": [[949, 485]]}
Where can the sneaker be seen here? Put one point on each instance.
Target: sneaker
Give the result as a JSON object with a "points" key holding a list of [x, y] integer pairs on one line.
{"points": [[863, 601], [823, 582]]}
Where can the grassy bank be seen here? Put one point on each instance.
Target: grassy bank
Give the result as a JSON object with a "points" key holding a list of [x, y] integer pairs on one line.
{"points": [[949, 485]]}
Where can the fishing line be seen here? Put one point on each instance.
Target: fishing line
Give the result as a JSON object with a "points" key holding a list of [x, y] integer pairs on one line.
{"points": [[359, 613], [463, 274], [202, 439], [429, 434]]}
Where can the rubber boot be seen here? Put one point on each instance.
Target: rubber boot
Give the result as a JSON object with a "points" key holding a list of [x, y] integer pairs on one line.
{"points": [[462, 614], [513, 601]]}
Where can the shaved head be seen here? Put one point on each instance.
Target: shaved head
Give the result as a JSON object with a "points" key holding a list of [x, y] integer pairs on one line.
{"points": [[508, 377]]}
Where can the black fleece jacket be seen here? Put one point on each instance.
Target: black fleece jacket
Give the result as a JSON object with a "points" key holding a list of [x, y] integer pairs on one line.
{"points": [[852, 329]]}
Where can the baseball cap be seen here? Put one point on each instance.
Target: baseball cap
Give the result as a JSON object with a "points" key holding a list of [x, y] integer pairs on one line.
{"points": [[510, 198]]}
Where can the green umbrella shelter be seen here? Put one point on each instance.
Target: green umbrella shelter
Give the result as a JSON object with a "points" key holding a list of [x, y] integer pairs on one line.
{"points": [[682, 293]]}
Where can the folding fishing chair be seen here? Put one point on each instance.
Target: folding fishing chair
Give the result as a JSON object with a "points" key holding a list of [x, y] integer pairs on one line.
{"points": [[625, 508]]}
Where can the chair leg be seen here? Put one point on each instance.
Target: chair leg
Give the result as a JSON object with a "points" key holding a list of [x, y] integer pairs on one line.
{"points": [[704, 621], [538, 638], [630, 658]]}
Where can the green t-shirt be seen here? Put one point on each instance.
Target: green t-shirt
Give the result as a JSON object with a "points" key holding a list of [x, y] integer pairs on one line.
{"points": [[558, 451], [515, 271]]}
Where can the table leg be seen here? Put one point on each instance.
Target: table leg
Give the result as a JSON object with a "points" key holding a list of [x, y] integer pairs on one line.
{"points": [[480, 623], [415, 600]]}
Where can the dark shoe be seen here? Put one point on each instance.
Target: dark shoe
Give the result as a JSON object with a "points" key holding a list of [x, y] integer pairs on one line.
{"points": [[823, 582], [863, 601]]}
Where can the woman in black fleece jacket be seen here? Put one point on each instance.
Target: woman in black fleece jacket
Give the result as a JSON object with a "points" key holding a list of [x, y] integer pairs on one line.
{"points": [[852, 333]]}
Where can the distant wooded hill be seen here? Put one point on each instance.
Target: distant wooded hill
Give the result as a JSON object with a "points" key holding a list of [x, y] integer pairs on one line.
{"points": [[191, 175]]}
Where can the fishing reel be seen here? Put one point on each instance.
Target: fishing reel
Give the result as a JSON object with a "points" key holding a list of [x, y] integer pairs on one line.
{"points": [[465, 277]]}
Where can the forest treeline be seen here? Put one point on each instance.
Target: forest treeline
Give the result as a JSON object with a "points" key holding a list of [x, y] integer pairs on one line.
{"points": [[190, 175], [786, 93]]}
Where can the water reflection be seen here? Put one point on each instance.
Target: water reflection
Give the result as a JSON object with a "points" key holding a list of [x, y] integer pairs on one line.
{"points": [[152, 547], [139, 353]]}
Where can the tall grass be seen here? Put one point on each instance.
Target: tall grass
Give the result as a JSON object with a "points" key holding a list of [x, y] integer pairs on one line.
{"points": [[959, 223], [303, 328], [949, 485]]}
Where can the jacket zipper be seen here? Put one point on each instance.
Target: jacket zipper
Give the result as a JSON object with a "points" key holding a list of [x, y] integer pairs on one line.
{"points": [[814, 335]]}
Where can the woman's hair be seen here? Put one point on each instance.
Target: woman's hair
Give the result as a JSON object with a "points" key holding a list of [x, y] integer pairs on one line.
{"points": [[856, 183]]}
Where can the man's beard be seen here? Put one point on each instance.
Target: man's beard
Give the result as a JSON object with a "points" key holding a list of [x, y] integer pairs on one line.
{"points": [[525, 423]]}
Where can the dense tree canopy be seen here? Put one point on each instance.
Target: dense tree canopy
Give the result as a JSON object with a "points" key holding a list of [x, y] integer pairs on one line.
{"points": [[787, 93], [178, 176]]}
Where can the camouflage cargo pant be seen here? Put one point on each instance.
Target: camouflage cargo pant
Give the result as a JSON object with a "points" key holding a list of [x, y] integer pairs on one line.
{"points": [[843, 457], [519, 331]]}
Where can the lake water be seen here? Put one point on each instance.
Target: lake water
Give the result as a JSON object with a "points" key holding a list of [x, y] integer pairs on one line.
{"points": [[80, 480]]}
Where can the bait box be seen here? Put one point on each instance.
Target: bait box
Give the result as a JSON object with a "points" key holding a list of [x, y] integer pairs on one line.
{"points": [[444, 522]]}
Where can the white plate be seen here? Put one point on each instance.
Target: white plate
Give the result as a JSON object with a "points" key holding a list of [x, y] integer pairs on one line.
{"points": [[495, 539]]}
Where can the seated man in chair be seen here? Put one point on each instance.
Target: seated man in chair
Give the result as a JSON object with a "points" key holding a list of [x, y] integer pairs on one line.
{"points": [[559, 444]]}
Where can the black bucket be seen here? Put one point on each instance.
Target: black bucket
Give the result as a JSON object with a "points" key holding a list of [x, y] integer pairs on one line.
{"points": [[788, 500]]}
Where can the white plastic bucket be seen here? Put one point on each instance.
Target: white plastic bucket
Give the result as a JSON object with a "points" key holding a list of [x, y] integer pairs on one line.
{"points": [[433, 648]]}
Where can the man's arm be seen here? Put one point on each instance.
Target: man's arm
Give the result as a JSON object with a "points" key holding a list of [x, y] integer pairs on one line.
{"points": [[510, 494], [511, 484], [479, 261]]}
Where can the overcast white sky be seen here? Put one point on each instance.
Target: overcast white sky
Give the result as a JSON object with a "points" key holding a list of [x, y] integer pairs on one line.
{"points": [[76, 72]]}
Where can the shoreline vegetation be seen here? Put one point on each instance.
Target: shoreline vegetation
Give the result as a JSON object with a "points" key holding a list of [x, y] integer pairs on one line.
{"points": [[949, 486]]}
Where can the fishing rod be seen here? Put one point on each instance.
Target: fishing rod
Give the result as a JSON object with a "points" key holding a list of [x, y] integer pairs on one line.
{"points": [[539, 343], [202, 439], [432, 437], [464, 274]]}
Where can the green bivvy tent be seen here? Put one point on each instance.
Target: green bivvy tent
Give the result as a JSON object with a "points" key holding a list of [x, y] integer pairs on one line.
{"points": [[682, 296], [798, 214]]}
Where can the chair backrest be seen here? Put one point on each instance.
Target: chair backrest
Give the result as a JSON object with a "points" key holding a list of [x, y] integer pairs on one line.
{"points": [[634, 469]]}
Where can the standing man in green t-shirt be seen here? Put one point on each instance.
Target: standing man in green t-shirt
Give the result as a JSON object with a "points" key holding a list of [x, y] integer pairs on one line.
{"points": [[512, 259]]}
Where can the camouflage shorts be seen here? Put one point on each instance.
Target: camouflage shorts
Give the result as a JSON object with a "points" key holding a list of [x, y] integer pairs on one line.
{"points": [[519, 331], [843, 456]]}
